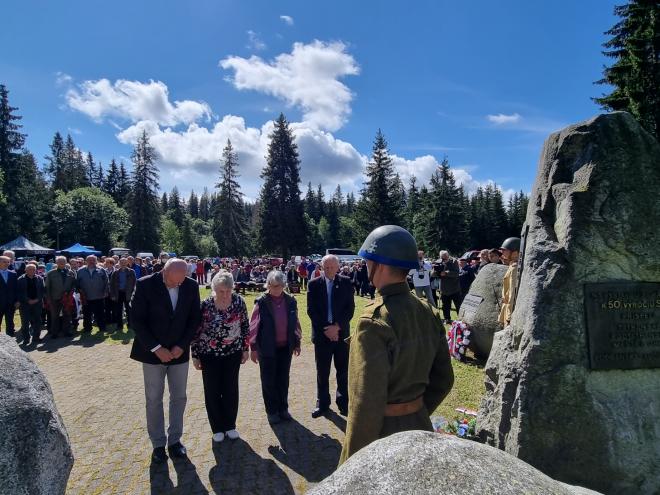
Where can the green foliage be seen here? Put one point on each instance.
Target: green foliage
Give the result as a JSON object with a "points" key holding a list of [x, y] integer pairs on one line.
{"points": [[89, 216], [635, 74], [170, 236], [193, 205], [229, 224], [382, 198], [282, 226], [143, 204]]}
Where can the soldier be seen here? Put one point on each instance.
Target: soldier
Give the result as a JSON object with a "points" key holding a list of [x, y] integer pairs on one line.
{"points": [[510, 252], [399, 367]]}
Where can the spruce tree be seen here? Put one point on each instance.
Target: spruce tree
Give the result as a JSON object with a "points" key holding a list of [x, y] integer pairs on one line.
{"points": [[282, 227], [193, 205], [11, 137], [90, 169], [311, 205], [55, 166], [111, 182], [164, 203], [99, 180], [142, 204], [635, 74], [176, 210], [320, 201], [412, 204], [381, 201], [229, 222], [123, 185], [204, 212]]}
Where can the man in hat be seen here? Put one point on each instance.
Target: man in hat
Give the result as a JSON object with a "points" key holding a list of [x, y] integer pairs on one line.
{"points": [[510, 251], [399, 369]]}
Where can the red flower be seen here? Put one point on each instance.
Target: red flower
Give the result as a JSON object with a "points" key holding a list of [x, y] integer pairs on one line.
{"points": [[213, 344]]}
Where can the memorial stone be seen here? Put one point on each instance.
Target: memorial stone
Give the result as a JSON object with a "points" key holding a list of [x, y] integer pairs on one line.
{"points": [[573, 384]]}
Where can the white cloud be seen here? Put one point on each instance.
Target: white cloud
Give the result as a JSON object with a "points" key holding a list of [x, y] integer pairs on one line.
{"points": [[307, 78], [134, 101], [254, 41], [423, 167], [503, 119], [62, 79], [287, 19], [190, 158]]}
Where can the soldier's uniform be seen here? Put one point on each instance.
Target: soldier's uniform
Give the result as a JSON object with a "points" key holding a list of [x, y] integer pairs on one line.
{"points": [[509, 283], [399, 366]]}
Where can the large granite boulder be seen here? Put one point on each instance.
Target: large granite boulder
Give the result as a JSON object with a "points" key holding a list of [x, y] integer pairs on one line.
{"points": [[35, 455], [421, 462], [554, 398], [481, 307]]}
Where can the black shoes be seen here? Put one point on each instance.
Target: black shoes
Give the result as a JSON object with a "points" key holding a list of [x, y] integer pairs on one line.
{"points": [[343, 411], [177, 451], [158, 456], [274, 419], [318, 412]]}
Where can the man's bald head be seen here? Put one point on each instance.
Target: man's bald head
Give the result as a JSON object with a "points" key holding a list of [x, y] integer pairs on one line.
{"points": [[174, 272]]}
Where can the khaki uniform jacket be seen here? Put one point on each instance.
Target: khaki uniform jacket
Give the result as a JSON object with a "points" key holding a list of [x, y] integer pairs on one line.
{"points": [[508, 286], [398, 352]]}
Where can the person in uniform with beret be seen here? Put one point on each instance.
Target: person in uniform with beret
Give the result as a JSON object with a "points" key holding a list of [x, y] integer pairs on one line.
{"points": [[399, 367]]}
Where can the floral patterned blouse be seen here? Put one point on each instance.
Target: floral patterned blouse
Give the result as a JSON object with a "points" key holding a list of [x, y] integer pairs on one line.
{"points": [[222, 332]]}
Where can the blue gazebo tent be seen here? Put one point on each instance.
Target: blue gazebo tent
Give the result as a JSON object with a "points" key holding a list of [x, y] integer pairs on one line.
{"points": [[79, 250], [25, 247]]}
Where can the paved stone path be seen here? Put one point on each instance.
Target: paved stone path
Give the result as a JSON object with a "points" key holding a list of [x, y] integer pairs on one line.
{"points": [[99, 393]]}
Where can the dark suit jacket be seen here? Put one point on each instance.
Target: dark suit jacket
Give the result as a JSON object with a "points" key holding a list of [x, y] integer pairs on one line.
{"points": [[114, 283], [343, 306], [8, 290], [22, 289], [155, 323]]}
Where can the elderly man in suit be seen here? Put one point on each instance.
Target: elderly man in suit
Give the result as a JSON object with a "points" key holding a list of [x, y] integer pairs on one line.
{"points": [[31, 298], [165, 314], [122, 284], [8, 294], [60, 284], [330, 306]]}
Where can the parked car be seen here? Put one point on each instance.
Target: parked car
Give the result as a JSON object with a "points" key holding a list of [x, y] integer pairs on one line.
{"points": [[472, 254], [145, 254], [120, 252]]}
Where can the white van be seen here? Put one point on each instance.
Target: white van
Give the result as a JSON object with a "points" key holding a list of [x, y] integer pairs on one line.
{"points": [[145, 255]]}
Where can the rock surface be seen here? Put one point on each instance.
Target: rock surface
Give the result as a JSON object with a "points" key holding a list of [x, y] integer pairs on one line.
{"points": [[593, 216], [481, 317], [420, 462], [35, 455]]}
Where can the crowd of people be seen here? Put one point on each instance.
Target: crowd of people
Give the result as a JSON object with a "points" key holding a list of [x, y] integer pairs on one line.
{"points": [[160, 301]]}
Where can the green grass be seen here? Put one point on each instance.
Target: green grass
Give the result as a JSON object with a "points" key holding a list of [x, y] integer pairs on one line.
{"points": [[469, 378]]}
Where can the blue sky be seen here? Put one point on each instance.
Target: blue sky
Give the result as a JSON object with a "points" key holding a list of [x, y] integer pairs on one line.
{"points": [[482, 82]]}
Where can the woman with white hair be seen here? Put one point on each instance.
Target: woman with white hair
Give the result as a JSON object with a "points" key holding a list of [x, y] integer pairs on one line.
{"points": [[274, 337], [218, 349]]}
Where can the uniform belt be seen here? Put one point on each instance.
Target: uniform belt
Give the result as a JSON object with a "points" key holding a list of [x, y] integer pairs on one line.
{"points": [[404, 408]]}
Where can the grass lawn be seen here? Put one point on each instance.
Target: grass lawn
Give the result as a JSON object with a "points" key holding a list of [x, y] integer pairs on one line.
{"points": [[468, 385]]}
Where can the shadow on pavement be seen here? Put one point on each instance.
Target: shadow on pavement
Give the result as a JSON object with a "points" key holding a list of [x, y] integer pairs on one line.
{"points": [[314, 457], [239, 469]]}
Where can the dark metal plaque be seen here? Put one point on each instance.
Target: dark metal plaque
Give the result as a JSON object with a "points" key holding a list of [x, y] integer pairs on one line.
{"points": [[623, 324], [470, 304]]}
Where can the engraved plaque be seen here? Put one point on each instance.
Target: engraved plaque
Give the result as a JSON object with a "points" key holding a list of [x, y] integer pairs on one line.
{"points": [[623, 324], [470, 304]]}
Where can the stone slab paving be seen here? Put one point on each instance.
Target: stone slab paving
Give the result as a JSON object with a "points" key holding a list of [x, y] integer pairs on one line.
{"points": [[99, 393]]}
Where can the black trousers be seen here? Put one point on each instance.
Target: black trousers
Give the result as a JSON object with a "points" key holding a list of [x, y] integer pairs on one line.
{"points": [[121, 304], [109, 311], [275, 380], [8, 314], [324, 351], [446, 304], [31, 319], [96, 308], [57, 324], [220, 376]]}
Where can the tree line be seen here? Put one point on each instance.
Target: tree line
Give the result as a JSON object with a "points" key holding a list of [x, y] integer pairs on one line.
{"points": [[72, 198]]}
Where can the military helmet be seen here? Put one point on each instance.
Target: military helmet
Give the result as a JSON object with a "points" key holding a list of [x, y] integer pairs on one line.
{"points": [[391, 245], [512, 244]]}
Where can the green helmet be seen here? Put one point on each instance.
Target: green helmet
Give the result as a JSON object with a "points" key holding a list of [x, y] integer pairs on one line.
{"points": [[390, 245], [512, 244]]}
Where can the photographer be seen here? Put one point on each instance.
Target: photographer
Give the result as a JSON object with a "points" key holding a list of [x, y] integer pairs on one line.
{"points": [[421, 278]]}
